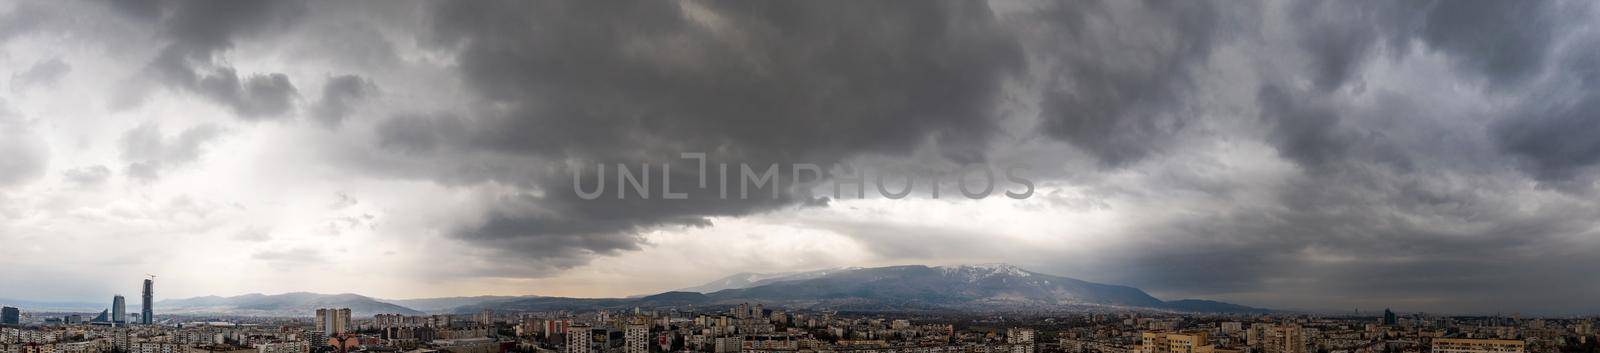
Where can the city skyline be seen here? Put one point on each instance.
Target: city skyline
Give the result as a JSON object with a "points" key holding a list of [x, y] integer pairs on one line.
{"points": [[736, 281], [1430, 156]]}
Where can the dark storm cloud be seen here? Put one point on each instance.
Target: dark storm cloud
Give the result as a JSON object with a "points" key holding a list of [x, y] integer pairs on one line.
{"points": [[1506, 42], [1389, 185], [1303, 129], [757, 82], [1341, 36], [1507, 45], [1502, 42], [1435, 192], [1117, 77], [1404, 196], [340, 94], [1555, 139], [198, 32], [1546, 130], [1365, 235]]}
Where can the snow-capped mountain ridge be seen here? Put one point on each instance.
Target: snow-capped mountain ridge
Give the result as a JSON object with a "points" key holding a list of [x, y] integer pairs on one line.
{"points": [[974, 273], [752, 279]]}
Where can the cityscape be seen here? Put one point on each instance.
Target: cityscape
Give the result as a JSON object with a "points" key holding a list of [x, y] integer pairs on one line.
{"points": [[470, 325], [799, 176]]}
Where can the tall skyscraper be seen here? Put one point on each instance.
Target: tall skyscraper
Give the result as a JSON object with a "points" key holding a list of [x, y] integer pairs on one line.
{"points": [[1389, 318], [10, 316], [119, 310], [147, 312]]}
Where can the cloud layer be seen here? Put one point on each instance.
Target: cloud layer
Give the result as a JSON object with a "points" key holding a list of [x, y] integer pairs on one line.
{"points": [[1311, 155]]}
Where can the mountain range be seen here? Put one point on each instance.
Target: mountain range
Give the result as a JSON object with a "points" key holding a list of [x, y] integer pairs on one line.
{"points": [[747, 279], [287, 304], [440, 305], [60, 306], [966, 288], [987, 287]]}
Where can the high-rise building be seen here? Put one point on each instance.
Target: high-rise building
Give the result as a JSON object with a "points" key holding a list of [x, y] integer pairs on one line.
{"points": [[147, 311], [119, 310], [333, 322], [579, 338], [1389, 318], [636, 337], [1287, 338], [10, 316]]}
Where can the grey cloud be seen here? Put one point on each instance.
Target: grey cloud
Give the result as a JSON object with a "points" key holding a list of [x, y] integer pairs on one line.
{"points": [[1435, 191], [43, 73], [418, 134], [87, 175], [1506, 42], [26, 155], [745, 82], [198, 33], [202, 28], [339, 96], [1118, 81], [1401, 196], [1339, 37], [1386, 234], [1303, 129], [255, 97], [1118, 75], [1556, 141], [150, 153], [23, 18], [1547, 129], [147, 10]]}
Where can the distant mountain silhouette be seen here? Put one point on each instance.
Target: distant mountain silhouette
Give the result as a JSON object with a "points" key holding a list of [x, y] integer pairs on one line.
{"points": [[749, 279], [986, 287], [445, 304], [287, 304], [87, 307], [1210, 306]]}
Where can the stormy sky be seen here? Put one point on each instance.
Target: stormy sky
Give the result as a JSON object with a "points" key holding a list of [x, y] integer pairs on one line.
{"points": [[1434, 156]]}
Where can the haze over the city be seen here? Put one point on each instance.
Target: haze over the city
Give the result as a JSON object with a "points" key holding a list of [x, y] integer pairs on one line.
{"points": [[1424, 156]]}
